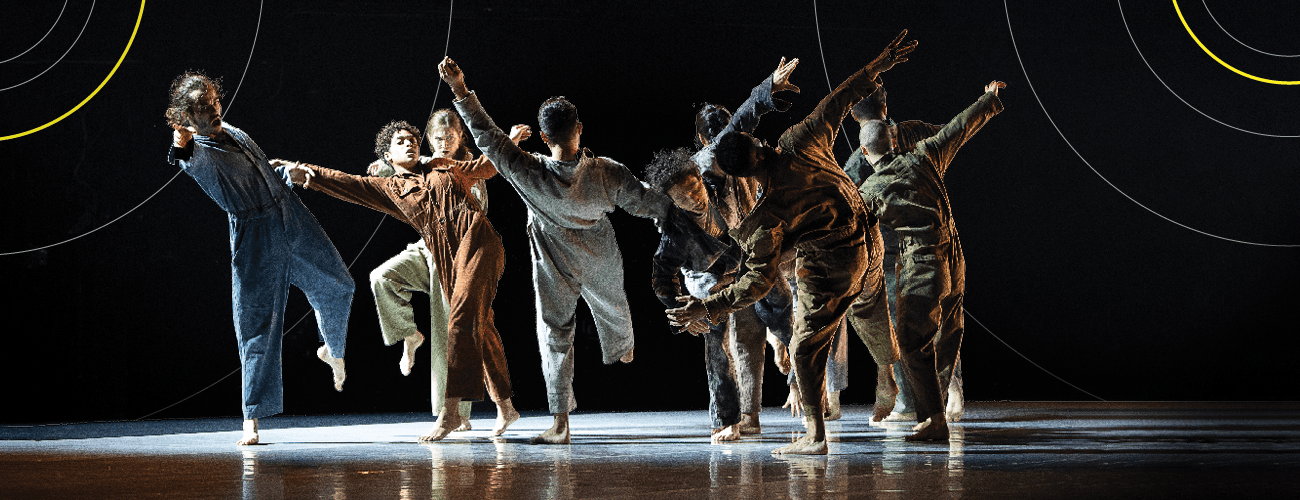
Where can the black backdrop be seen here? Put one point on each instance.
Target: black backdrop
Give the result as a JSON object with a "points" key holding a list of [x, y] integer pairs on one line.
{"points": [[1069, 203]]}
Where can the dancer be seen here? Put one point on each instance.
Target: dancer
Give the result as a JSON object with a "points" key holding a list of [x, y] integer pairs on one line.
{"points": [[733, 197], [274, 242], [908, 133], [574, 253], [809, 207], [413, 270], [694, 238], [907, 193], [435, 199]]}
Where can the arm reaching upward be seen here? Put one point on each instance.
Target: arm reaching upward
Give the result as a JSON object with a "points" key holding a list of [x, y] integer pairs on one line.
{"points": [[944, 145], [818, 129], [500, 148]]}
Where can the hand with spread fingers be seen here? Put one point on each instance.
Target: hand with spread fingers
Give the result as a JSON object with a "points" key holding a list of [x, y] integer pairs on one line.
{"points": [[893, 54], [781, 77]]}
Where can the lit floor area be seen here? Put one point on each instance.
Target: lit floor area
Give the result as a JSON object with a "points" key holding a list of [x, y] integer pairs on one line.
{"points": [[999, 450]]}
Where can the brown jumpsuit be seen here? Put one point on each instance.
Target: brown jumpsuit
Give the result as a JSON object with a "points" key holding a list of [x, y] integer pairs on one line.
{"points": [[435, 199]]}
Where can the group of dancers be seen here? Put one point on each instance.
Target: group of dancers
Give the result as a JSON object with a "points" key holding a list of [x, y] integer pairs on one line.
{"points": [[759, 244]]}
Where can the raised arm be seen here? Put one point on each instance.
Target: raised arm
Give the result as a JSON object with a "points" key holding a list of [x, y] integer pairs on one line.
{"points": [[760, 100], [508, 158], [818, 129], [943, 146]]}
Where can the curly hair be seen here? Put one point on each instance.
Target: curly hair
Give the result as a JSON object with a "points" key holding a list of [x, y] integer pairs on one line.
{"points": [[733, 154], [384, 138], [558, 119], [447, 117], [182, 95], [709, 122], [669, 167]]}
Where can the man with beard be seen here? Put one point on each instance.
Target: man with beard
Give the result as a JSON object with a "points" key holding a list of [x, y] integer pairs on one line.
{"points": [[274, 242]]}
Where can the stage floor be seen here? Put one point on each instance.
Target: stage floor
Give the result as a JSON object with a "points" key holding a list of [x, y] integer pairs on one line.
{"points": [[1000, 450]]}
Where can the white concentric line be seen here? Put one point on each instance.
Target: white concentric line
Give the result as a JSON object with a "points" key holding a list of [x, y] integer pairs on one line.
{"points": [[65, 53], [47, 33], [1243, 44], [1157, 75], [1095, 171]]}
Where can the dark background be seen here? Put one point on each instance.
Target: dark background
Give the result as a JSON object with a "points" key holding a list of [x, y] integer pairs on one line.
{"points": [[1084, 207]]}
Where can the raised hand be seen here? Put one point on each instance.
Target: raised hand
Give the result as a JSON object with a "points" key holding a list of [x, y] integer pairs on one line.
{"points": [[893, 54], [520, 133], [994, 86], [781, 77], [451, 73]]}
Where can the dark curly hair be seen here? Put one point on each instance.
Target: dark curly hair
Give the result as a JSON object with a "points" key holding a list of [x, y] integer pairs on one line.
{"points": [[182, 95], [385, 137], [709, 122], [558, 119], [669, 167], [733, 154], [447, 117], [870, 107]]}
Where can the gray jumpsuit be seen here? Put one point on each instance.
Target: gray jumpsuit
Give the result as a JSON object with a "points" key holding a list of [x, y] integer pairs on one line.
{"points": [[574, 252]]}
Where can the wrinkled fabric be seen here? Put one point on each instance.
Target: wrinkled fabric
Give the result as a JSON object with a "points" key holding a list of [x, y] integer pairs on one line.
{"points": [[274, 242], [572, 244], [908, 134], [810, 208], [435, 199], [733, 198], [907, 193], [712, 262], [413, 270]]}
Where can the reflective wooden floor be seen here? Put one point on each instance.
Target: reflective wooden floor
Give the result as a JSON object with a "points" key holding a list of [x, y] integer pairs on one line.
{"points": [[1000, 450]]}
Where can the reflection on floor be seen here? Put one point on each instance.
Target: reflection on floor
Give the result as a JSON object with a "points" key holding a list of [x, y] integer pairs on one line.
{"points": [[1000, 450]]}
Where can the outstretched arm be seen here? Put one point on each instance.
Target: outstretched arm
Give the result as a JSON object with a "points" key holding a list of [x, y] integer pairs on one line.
{"points": [[760, 100], [941, 148], [365, 191], [819, 128], [490, 139]]}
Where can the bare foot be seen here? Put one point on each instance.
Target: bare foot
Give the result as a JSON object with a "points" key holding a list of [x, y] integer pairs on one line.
{"points": [[447, 422], [250, 433], [506, 415], [557, 434], [728, 433], [886, 391], [627, 358], [336, 364], [409, 345], [805, 445], [956, 403], [907, 416], [833, 405], [934, 428], [749, 424]]}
